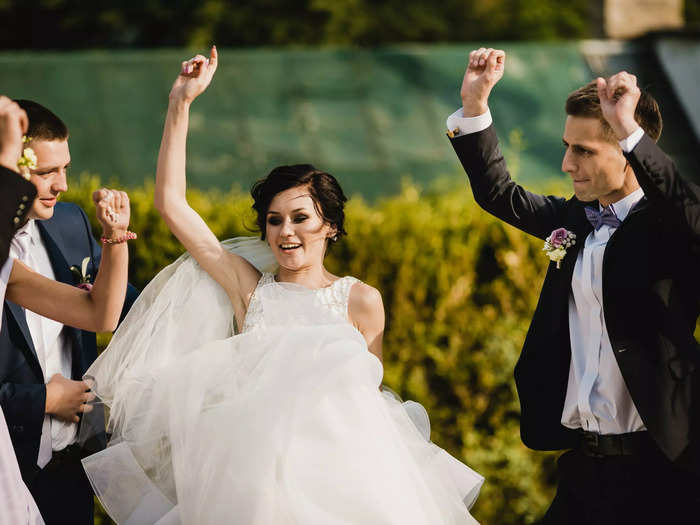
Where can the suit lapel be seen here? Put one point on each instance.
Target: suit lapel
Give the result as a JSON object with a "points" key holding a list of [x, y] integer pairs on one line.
{"points": [[17, 312], [557, 285], [579, 224], [641, 205]]}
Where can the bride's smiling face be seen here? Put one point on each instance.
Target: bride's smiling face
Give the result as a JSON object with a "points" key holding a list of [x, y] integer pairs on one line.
{"points": [[297, 234]]}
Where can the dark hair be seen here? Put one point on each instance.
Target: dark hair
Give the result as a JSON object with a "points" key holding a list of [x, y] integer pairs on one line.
{"points": [[43, 123], [329, 199], [584, 102]]}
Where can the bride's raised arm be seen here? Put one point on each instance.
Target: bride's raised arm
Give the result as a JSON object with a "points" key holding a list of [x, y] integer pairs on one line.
{"points": [[98, 309], [233, 273]]}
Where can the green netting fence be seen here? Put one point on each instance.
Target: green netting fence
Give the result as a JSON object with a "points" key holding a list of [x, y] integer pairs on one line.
{"points": [[370, 117]]}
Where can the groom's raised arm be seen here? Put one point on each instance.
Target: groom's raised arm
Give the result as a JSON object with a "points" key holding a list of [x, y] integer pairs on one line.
{"points": [[474, 139], [656, 173]]}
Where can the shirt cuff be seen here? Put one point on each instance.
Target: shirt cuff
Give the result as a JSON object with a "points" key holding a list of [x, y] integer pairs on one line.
{"points": [[458, 124], [630, 142]]}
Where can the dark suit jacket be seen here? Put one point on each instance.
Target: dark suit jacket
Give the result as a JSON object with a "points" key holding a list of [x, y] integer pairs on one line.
{"points": [[651, 297], [16, 197], [68, 240]]}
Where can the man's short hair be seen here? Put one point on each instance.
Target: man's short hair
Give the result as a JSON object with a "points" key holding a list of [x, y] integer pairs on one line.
{"points": [[43, 123], [584, 102]]}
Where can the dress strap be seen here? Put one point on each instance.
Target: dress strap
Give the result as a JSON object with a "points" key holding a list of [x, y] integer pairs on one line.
{"points": [[266, 278], [342, 291]]}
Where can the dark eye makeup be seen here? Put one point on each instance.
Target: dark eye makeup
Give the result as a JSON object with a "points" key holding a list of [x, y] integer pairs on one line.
{"points": [[276, 220]]}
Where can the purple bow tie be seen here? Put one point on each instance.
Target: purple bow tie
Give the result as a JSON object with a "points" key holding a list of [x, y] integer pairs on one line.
{"points": [[598, 218]]}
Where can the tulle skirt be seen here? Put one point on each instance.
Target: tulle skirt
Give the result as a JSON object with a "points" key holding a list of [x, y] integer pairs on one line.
{"points": [[284, 424], [277, 426]]}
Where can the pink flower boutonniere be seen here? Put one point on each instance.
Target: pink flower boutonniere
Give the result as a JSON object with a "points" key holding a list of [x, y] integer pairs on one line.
{"points": [[82, 276], [556, 244]]}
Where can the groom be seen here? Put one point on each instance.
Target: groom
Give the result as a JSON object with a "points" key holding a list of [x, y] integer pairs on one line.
{"points": [[42, 361], [610, 368]]}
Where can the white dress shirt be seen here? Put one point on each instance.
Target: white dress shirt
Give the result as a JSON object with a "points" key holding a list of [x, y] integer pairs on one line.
{"points": [[51, 345], [16, 503], [597, 398]]}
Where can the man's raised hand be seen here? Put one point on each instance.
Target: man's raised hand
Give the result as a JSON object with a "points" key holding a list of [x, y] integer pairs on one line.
{"points": [[195, 76], [485, 69], [618, 100], [13, 124]]}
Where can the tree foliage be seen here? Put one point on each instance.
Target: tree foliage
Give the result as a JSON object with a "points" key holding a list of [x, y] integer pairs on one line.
{"points": [[73, 24]]}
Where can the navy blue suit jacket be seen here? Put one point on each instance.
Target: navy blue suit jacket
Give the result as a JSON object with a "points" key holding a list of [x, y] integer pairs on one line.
{"points": [[68, 240]]}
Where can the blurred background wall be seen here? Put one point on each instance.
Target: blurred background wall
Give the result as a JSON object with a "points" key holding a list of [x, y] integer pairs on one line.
{"points": [[334, 83]]}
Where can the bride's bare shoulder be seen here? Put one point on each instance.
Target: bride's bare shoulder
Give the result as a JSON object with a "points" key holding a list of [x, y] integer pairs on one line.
{"points": [[364, 302]]}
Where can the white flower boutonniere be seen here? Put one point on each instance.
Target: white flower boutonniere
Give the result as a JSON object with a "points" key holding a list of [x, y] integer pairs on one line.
{"points": [[556, 244], [82, 275], [28, 159]]}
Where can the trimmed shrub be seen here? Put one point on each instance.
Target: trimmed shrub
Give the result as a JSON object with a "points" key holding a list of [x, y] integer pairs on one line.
{"points": [[459, 288]]}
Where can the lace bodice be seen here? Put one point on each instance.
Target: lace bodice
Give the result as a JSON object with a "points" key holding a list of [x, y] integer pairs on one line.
{"points": [[334, 298]]}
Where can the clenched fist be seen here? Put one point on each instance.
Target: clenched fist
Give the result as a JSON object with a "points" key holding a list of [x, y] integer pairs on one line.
{"points": [[113, 211], [485, 69], [13, 124], [618, 101]]}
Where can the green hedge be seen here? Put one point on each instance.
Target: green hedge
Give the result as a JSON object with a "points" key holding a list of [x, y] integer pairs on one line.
{"points": [[459, 288]]}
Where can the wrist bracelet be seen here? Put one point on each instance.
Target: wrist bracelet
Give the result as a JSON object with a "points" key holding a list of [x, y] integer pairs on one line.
{"points": [[128, 235]]}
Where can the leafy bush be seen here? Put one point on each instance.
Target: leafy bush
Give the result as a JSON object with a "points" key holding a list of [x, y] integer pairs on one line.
{"points": [[459, 289], [80, 24]]}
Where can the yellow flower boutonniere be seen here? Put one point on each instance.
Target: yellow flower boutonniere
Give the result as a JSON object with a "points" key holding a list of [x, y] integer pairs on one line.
{"points": [[28, 159]]}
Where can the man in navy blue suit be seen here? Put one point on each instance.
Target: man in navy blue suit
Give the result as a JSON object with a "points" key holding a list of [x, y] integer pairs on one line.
{"points": [[42, 361]]}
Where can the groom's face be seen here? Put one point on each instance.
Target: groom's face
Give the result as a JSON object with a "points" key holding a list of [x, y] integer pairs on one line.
{"points": [[595, 162], [49, 176]]}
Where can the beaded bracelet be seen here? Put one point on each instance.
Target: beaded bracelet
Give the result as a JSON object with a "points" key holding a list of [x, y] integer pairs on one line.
{"points": [[128, 235]]}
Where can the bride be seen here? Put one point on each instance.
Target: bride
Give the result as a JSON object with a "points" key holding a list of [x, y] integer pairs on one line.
{"points": [[283, 422]]}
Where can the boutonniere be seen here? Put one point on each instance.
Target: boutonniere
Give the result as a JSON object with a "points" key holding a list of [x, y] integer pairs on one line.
{"points": [[82, 276], [556, 244], [28, 159]]}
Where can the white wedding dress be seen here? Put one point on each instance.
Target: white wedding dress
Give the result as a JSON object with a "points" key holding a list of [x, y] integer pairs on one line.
{"points": [[283, 423]]}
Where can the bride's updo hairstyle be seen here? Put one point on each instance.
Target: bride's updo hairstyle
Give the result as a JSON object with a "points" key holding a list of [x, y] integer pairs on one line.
{"points": [[329, 199]]}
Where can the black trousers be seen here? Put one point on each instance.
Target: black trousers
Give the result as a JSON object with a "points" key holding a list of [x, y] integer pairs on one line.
{"points": [[617, 490], [63, 492]]}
